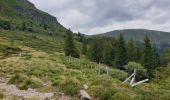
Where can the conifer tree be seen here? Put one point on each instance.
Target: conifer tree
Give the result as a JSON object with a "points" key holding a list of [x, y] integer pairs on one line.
{"points": [[107, 53], [121, 53], [84, 47], [95, 51], [147, 56], [131, 51], [70, 49]]}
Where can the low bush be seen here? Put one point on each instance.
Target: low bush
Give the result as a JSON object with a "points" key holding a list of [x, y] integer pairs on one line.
{"points": [[23, 82], [70, 86], [31, 83], [17, 79], [115, 73], [100, 84], [141, 72], [121, 96], [107, 94]]}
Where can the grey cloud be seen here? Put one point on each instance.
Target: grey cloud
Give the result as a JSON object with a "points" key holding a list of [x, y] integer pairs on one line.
{"points": [[89, 15]]}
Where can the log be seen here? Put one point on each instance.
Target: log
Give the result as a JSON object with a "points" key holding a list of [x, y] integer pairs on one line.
{"points": [[140, 82]]}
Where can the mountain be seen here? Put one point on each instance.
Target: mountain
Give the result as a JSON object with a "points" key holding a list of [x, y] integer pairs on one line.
{"points": [[156, 37], [23, 15]]}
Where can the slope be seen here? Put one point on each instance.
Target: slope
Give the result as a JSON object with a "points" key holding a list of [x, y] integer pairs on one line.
{"points": [[22, 15]]}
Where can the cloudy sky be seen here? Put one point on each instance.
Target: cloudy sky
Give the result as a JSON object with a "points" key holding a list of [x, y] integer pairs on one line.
{"points": [[98, 16]]}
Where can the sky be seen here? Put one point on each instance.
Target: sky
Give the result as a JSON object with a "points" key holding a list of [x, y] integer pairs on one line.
{"points": [[99, 16]]}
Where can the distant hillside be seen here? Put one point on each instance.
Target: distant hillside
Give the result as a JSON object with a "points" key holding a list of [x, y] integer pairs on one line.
{"points": [[156, 37], [23, 15]]}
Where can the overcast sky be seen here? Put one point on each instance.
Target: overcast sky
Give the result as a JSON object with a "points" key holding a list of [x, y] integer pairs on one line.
{"points": [[98, 16]]}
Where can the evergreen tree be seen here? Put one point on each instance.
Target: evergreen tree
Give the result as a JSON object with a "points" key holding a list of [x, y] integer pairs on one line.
{"points": [[113, 50], [121, 53], [84, 47], [107, 53], [80, 37], [95, 51], [156, 58], [131, 51], [70, 49], [147, 56]]}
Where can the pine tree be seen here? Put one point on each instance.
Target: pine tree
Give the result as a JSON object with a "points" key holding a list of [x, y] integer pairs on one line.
{"points": [[148, 57], [121, 53], [107, 53], [84, 47], [95, 51], [131, 51], [80, 37], [70, 49]]}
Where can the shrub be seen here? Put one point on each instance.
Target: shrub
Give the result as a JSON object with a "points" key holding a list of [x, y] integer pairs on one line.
{"points": [[115, 73], [141, 71], [17, 79], [70, 86], [100, 84], [107, 94], [121, 96], [57, 80], [103, 70], [31, 83], [23, 82]]}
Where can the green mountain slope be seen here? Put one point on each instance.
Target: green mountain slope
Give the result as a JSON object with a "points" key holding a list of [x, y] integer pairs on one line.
{"points": [[22, 13], [157, 37], [31, 58]]}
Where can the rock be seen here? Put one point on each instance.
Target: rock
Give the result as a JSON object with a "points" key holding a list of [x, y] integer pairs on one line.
{"points": [[84, 95], [61, 94], [85, 87]]}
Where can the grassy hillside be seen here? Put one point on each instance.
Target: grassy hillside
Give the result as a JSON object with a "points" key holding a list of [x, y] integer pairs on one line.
{"points": [[22, 13], [41, 57], [33, 57], [156, 37]]}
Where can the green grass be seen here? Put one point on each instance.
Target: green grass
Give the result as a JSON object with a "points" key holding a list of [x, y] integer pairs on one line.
{"points": [[43, 61]]}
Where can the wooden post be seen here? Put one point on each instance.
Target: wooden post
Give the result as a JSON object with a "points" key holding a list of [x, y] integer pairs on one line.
{"points": [[107, 70], [99, 68]]}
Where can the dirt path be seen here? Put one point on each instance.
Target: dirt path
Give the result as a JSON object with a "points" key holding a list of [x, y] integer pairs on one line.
{"points": [[12, 90]]}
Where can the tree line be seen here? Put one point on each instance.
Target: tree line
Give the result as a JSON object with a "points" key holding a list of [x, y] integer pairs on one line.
{"points": [[116, 52]]}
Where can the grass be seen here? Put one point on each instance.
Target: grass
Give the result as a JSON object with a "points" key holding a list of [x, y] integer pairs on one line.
{"points": [[42, 61]]}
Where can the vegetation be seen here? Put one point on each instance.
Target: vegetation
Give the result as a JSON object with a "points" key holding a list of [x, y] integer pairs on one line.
{"points": [[35, 51], [70, 49]]}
